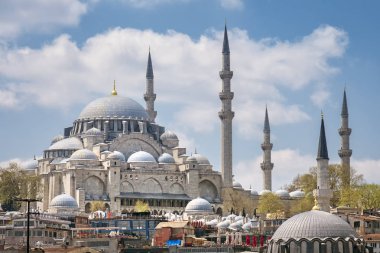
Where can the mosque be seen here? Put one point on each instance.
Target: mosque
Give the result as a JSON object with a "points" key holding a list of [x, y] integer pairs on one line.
{"points": [[116, 153]]}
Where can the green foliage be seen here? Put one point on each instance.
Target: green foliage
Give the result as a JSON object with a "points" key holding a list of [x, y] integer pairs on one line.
{"points": [[97, 206], [15, 183], [303, 204], [366, 196], [141, 206], [270, 203]]}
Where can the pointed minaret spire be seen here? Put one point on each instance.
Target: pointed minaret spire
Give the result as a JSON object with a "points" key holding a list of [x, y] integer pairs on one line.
{"points": [[266, 146], [149, 95], [322, 147], [226, 115], [323, 193], [345, 152], [226, 46], [266, 122]]}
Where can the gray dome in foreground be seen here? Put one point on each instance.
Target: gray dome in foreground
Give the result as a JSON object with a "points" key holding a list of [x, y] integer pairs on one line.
{"points": [[201, 159], [314, 224], [68, 143], [141, 157], [114, 107], [166, 158], [64, 201], [116, 155], [198, 206], [83, 154]]}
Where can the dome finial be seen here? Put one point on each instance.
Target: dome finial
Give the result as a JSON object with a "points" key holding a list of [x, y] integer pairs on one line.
{"points": [[114, 92], [316, 204]]}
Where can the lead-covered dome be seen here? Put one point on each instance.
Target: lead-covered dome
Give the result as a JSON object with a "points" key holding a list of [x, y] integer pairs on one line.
{"points": [[141, 157], [117, 156], [64, 201], [314, 224], [169, 139], [67, 143], [166, 158], [115, 107], [237, 185], [297, 194], [83, 154], [201, 159], [198, 206], [93, 132], [282, 194]]}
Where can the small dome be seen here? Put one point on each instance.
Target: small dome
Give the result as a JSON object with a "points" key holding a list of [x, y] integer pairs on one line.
{"points": [[64, 201], [297, 194], [255, 193], [169, 139], [314, 224], [236, 184], [201, 159], [83, 154], [224, 224], [198, 206], [117, 156], [263, 192], [191, 159], [68, 143], [93, 132], [141, 157], [166, 158], [282, 194], [115, 107], [56, 138], [29, 165]]}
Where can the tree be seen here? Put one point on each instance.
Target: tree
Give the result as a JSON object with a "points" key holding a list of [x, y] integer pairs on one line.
{"points": [[16, 183], [303, 204], [97, 206], [270, 203], [366, 196], [141, 206]]}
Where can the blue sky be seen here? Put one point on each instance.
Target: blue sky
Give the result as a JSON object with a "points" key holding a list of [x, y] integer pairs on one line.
{"points": [[295, 56]]}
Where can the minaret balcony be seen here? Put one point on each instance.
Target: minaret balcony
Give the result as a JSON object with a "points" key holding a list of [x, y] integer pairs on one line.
{"points": [[226, 74], [226, 115], [226, 95], [344, 153], [266, 166], [266, 146], [148, 97], [344, 131]]}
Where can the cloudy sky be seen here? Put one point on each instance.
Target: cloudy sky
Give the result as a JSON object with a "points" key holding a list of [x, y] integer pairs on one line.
{"points": [[294, 56]]}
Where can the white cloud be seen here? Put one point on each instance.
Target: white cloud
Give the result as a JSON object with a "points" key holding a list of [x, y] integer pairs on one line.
{"points": [[320, 97], [62, 74], [288, 163], [232, 4], [17, 17], [147, 4], [8, 99], [369, 168]]}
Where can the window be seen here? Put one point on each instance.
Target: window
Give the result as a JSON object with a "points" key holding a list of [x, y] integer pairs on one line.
{"points": [[19, 233]]}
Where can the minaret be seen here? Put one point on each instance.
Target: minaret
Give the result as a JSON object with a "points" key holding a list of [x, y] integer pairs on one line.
{"points": [[345, 152], [150, 96], [226, 114], [323, 193], [266, 146]]}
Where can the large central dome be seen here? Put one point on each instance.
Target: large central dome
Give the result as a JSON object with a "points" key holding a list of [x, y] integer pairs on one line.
{"points": [[114, 107]]}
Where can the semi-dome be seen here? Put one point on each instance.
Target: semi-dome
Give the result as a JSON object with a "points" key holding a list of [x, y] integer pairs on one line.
{"points": [[166, 158], [56, 138], [282, 194], [141, 157], [201, 159], [115, 107], [198, 206], [83, 154], [117, 156], [64, 201], [314, 224], [297, 194], [68, 143], [93, 132]]}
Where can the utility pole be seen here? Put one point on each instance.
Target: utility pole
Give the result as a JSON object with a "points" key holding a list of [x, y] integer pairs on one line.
{"points": [[27, 200]]}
